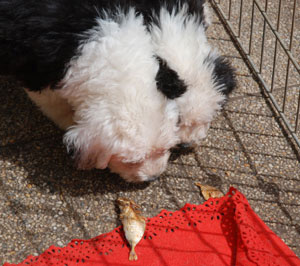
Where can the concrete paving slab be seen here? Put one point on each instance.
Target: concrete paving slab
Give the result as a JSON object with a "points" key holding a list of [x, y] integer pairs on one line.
{"points": [[45, 201]]}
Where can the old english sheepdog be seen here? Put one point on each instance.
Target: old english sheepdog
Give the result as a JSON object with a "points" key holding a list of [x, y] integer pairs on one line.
{"points": [[192, 73], [126, 79]]}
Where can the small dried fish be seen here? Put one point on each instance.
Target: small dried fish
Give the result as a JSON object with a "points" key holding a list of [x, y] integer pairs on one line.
{"points": [[209, 191], [134, 224]]}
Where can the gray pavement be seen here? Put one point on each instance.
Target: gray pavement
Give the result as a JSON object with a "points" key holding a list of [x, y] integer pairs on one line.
{"points": [[45, 201]]}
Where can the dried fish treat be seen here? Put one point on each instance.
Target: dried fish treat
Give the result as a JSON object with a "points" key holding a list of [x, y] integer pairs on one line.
{"points": [[134, 224]]}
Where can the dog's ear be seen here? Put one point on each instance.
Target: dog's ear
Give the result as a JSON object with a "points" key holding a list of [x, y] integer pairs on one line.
{"points": [[224, 75]]}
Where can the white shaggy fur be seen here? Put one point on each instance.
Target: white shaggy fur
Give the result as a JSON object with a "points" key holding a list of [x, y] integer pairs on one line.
{"points": [[121, 120], [181, 42]]}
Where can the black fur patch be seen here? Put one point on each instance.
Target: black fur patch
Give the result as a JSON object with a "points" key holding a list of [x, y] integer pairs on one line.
{"points": [[168, 81], [39, 38], [150, 8], [223, 73]]}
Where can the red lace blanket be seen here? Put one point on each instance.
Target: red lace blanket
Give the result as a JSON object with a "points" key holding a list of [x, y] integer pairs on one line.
{"points": [[223, 231]]}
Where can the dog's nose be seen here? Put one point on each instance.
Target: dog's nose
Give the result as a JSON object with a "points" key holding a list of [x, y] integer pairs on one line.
{"points": [[181, 149], [152, 178], [184, 145]]}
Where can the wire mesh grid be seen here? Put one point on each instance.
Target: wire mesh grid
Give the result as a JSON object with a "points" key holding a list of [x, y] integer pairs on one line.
{"points": [[267, 34]]}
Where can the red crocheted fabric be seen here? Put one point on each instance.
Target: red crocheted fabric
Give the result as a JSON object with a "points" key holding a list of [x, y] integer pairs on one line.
{"points": [[223, 231]]}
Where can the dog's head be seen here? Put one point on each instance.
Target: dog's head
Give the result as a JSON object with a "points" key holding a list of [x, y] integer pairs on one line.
{"points": [[122, 121], [134, 144], [191, 73]]}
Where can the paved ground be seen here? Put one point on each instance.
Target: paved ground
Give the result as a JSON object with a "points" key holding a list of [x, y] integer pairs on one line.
{"points": [[44, 201]]}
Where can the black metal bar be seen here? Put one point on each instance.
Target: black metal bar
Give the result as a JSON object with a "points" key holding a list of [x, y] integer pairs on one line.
{"points": [[286, 50], [263, 40], [298, 112], [286, 84], [240, 19], [276, 44], [288, 64], [292, 27], [229, 11], [247, 57], [251, 31]]}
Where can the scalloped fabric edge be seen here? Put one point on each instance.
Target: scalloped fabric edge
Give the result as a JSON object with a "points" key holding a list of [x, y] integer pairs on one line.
{"points": [[221, 231]]}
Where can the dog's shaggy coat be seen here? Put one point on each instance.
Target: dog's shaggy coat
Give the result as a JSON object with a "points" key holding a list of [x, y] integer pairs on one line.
{"points": [[127, 79], [198, 78]]}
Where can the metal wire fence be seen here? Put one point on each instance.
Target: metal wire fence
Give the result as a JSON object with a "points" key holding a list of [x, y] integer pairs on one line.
{"points": [[267, 34]]}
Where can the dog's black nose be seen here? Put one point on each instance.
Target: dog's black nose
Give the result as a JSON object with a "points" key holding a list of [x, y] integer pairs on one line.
{"points": [[184, 145], [181, 149], [152, 178]]}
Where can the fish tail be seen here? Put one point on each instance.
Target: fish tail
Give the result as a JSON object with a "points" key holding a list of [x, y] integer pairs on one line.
{"points": [[132, 254]]}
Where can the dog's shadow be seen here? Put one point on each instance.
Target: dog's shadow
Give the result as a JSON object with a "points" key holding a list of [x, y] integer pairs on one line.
{"points": [[28, 140], [32, 142]]}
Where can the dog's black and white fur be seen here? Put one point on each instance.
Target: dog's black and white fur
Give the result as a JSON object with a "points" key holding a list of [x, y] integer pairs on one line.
{"points": [[128, 80], [204, 78]]}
